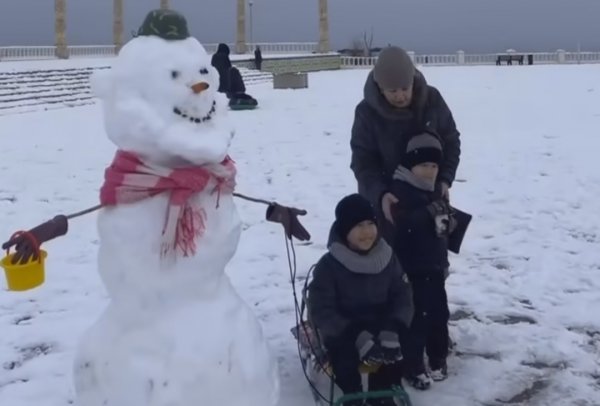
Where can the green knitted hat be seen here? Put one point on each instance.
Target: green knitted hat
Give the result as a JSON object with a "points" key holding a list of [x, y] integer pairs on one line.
{"points": [[167, 24]]}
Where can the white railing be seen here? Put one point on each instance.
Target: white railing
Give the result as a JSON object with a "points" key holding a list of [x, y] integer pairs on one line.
{"points": [[435, 59], [94, 51], [16, 53], [272, 47], [460, 58], [480, 59], [49, 52], [284, 47]]}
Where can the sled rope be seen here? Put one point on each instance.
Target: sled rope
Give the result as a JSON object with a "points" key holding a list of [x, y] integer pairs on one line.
{"points": [[291, 257]]}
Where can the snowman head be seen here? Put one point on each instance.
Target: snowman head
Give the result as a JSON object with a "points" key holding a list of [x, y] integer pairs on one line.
{"points": [[161, 85]]}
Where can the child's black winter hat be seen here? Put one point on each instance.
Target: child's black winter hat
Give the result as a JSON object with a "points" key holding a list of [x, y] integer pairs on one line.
{"points": [[350, 211], [422, 148]]}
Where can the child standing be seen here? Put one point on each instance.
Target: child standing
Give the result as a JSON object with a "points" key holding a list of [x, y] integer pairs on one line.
{"points": [[423, 221], [360, 301]]}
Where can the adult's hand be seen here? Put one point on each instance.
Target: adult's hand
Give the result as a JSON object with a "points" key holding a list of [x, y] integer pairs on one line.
{"points": [[445, 190], [387, 201]]}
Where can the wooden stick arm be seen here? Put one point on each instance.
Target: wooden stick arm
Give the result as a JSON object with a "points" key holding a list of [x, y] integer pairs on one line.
{"points": [[59, 226]]}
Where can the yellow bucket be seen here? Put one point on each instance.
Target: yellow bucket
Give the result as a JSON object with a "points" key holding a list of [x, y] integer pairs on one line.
{"points": [[20, 277]]}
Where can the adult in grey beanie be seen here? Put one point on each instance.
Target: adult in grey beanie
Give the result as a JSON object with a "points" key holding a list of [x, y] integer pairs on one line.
{"points": [[394, 69], [397, 105]]}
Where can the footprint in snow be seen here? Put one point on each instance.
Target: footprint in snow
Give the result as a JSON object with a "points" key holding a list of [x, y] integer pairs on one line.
{"points": [[511, 319], [28, 353]]}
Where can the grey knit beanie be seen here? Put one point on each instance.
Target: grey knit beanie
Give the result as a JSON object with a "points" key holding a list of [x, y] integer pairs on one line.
{"points": [[394, 69], [422, 148]]}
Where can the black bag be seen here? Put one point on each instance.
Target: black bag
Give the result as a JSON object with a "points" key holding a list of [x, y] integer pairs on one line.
{"points": [[455, 238]]}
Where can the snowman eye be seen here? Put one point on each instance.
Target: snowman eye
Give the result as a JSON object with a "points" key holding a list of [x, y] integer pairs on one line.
{"points": [[174, 74], [204, 71]]}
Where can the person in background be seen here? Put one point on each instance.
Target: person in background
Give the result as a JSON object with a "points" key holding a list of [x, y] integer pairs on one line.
{"points": [[220, 60], [258, 59]]}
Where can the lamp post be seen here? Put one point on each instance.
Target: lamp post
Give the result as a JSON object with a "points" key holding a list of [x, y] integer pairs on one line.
{"points": [[323, 26], [250, 4], [60, 28], [118, 24], [240, 38]]}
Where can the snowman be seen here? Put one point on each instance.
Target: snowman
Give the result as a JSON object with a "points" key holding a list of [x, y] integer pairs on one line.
{"points": [[175, 332]]}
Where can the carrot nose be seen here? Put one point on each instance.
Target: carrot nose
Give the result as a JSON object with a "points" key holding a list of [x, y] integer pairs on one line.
{"points": [[199, 87]]}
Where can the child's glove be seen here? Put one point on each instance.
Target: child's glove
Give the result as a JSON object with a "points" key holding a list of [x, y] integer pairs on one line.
{"points": [[440, 211], [390, 346], [369, 352], [452, 223], [437, 208]]}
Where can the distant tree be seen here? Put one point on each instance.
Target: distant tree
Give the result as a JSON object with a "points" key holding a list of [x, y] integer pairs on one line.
{"points": [[356, 48], [368, 42]]}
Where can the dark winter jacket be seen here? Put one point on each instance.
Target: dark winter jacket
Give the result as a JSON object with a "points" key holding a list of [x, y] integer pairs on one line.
{"points": [[236, 81], [381, 132], [222, 63], [420, 250], [349, 288]]}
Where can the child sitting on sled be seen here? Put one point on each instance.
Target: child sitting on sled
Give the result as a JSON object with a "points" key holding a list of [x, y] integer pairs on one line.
{"points": [[360, 301], [423, 220]]}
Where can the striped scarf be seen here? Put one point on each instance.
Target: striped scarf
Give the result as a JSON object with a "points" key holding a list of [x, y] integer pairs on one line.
{"points": [[128, 180]]}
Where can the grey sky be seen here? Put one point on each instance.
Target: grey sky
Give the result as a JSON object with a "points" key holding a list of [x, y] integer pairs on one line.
{"points": [[426, 26]]}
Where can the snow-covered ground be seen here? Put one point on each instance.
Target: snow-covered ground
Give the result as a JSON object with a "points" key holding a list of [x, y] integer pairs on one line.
{"points": [[523, 291]]}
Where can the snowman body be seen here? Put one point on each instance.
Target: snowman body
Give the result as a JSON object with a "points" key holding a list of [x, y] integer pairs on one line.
{"points": [[175, 333]]}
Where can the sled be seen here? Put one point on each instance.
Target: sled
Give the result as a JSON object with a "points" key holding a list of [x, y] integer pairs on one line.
{"points": [[243, 104], [236, 107], [316, 366]]}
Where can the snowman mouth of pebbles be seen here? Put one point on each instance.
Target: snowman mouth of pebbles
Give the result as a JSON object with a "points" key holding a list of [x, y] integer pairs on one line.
{"points": [[197, 89], [184, 114]]}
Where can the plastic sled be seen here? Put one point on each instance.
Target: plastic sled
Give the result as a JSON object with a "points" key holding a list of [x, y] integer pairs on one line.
{"points": [[243, 104], [242, 107]]}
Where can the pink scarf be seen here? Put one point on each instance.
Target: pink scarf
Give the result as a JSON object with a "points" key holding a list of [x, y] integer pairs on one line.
{"points": [[129, 180]]}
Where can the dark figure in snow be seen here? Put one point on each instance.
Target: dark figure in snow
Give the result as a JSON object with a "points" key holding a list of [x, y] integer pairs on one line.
{"points": [[423, 221], [360, 301], [220, 60], [398, 104], [237, 90], [258, 59]]}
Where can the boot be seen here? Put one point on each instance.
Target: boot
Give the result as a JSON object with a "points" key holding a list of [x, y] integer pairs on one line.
{"points": [[439, 371], [421, 381]]}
